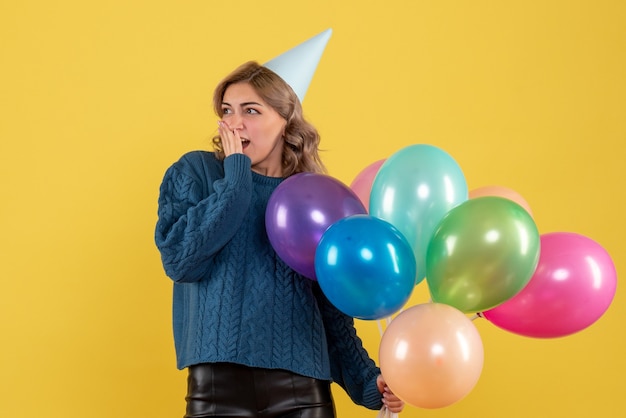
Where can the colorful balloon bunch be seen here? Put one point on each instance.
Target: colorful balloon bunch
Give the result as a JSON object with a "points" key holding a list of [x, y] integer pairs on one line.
{"points": [[481, 253], [411, 217]]}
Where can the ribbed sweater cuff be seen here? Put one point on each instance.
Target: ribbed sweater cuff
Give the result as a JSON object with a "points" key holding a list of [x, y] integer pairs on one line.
{"points": [[237, 164], [372, 398]]}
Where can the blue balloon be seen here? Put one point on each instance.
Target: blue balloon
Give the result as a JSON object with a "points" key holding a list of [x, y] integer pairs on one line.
{"points": [[365, 267]]}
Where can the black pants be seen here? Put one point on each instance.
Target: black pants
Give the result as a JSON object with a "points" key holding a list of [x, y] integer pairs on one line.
{"points": [[232, 390]]}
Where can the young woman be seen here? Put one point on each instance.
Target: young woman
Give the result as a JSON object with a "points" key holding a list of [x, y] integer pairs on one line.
{"points": [[258, 339]]}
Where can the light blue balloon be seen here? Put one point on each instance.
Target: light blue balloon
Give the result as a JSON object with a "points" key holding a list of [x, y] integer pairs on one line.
{"points": [[365, 267], [413, 190]]}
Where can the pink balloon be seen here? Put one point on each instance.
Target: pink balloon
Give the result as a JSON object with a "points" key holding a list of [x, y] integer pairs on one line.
{"points": [[362, 183], [431, 355], [501, 191], [572, 287]]}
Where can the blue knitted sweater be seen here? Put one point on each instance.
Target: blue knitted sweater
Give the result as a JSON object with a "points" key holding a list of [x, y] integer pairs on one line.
{"points": [[235, 300]]}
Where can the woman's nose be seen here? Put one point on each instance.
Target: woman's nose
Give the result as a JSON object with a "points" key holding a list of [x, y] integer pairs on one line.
{"points": [[235, 121]]}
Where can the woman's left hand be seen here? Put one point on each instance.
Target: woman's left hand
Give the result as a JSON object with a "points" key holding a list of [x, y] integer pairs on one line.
{"points": [[391, 401]]}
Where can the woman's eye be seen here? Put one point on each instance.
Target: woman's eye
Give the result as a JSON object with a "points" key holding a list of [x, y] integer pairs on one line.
{"points": [[225, 111], [252, 111]]}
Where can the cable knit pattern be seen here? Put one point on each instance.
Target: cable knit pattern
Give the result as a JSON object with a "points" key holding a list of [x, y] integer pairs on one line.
{"points": [[235, 300]]}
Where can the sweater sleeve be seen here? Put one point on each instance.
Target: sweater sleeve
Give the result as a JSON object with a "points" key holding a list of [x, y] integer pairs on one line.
{"points": [[351, 366], [199, 211]]}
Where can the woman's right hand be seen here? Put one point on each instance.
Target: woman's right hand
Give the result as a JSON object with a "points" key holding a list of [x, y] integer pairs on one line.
{"points": [[231, 141]]}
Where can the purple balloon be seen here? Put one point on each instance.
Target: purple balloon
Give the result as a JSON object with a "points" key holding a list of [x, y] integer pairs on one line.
{"points": [[300, 210]]}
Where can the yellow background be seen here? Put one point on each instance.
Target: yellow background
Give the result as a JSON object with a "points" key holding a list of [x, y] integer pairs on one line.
{"points": [[97, 99]]}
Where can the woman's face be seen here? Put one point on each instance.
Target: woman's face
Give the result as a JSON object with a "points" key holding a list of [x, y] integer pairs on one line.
{"points": [[257, 125]]}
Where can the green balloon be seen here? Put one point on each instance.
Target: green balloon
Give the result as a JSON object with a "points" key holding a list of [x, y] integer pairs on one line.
{"points": [[483, 252]]}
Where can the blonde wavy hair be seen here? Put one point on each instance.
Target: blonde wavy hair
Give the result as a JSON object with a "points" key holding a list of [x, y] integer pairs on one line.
{"points": [[301, 150]]}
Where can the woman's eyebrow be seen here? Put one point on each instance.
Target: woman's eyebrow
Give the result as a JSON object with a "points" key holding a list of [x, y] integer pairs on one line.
{"points": [[244, 104]]}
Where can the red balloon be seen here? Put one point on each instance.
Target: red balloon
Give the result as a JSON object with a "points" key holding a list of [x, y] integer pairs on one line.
{"points": [[573, 285]]}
